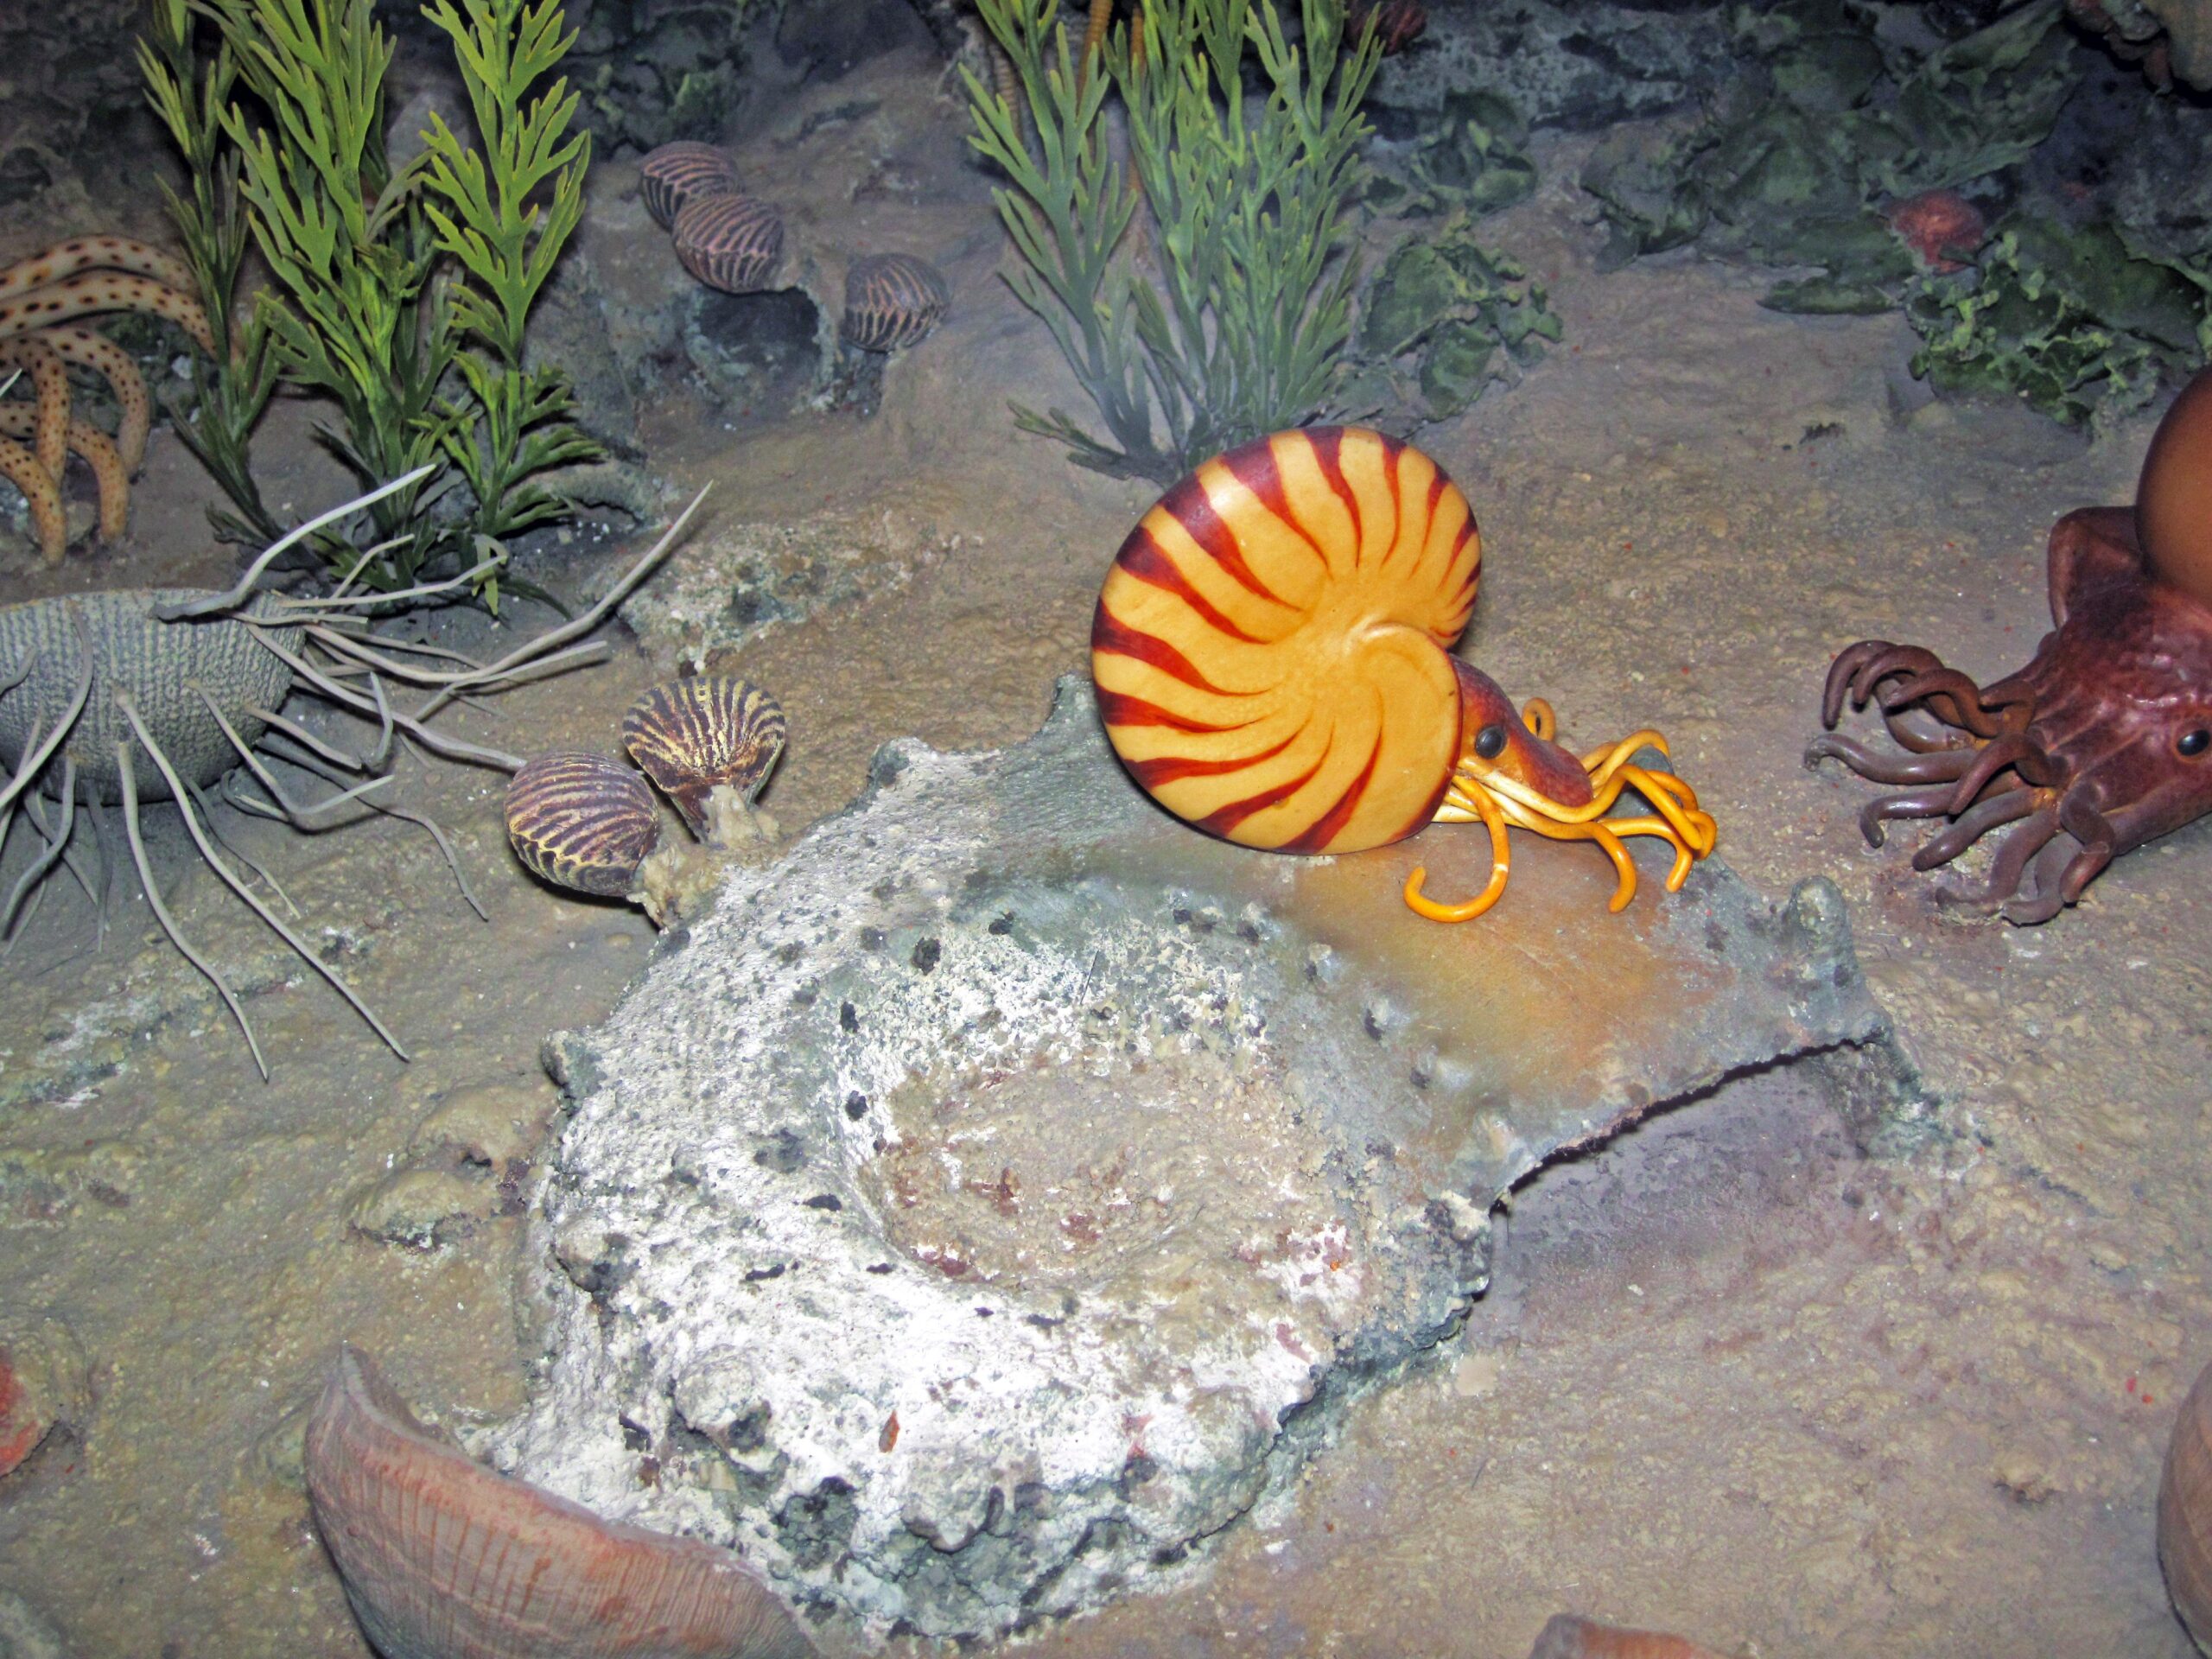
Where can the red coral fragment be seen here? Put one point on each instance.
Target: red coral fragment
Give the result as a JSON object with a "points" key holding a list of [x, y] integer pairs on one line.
{"points": [[1941, 227], [1398, 24], [22, 1425]]}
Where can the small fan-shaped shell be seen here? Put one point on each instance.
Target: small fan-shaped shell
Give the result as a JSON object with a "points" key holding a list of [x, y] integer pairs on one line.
{"points": [[582, 821], [892, 299], [681, 172], [444, 1559], [1269, 647], [693, 736], [732, 243]]}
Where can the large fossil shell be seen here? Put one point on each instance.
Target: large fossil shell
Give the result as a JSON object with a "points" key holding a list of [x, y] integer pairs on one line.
{"points": [[892, 299], [445, 1559], [2185, 1513], [163, 667], [2173, 502], [861, 1104], [694, 736], [1269, 647], [732, 243], [582, 821], [682, 172]]}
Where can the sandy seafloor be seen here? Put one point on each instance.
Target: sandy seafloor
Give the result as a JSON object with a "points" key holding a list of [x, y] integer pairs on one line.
{"points": [[1737, 1378]]}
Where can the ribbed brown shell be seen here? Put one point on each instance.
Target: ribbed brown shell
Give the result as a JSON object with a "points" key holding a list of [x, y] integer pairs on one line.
{"points": [[582, 821], [892, 299], [162, 664], [732, 243], [2185, 1513], [443, 1559], [682, 172], [692, 735]]}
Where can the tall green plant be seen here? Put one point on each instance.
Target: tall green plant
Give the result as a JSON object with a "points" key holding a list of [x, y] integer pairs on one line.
{"points": [[352, 316], [1234, 322], [514, 424], [231, 388], [402, 294]]}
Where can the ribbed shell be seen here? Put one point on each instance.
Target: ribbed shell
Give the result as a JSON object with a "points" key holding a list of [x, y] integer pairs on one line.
{"points": [[158, 663], [692, 735], [732, 243], [2185, 1513], [1269, 647], [892, 301], [681, 172], [582, 821], [444, 1559]]}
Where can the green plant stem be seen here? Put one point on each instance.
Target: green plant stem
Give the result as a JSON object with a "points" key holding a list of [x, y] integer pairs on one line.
{"points": [[1239, 327]]}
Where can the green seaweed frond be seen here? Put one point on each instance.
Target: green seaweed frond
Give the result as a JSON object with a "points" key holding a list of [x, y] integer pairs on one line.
{"points": [[401, 295], [1226, 311]]}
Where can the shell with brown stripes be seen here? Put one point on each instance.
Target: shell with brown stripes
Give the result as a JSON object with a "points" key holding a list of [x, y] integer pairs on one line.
{"points": [[1270, 647], [1271, 651]]}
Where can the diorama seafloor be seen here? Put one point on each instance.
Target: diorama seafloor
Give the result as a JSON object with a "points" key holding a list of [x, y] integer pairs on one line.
{"points": [[1800, 1326]]}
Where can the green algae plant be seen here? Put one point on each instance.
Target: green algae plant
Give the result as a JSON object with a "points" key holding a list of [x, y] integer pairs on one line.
{"points": [[2082, 323], [1206, 284], [1837, 135], [231, 389], [401, 292]]}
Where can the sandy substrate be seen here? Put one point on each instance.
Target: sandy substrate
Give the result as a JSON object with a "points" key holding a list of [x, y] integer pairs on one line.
{"points": [[1738, 1377]]}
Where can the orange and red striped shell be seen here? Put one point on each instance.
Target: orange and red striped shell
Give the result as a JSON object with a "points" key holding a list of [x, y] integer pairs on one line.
{"points": [[1270, 647]]}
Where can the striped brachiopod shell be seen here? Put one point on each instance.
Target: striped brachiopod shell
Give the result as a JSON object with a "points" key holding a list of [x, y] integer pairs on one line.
{"points": [[892, 299], [693, 736], [732, 243], [582, 821], [1270, 646], [678, 173]]}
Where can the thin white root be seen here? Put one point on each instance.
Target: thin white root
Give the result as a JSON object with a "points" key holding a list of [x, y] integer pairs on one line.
{"points": [[55, 842], [37, 753], [230, 878], [242, 589], [162, 911], [580, 626]]}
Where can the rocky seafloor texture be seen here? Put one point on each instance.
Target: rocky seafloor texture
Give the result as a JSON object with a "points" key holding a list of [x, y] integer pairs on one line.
{"points": [[988, 1202]]}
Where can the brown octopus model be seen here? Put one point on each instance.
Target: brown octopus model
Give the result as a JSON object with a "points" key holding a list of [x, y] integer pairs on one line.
{"points": [[2104, 741], [39, 299]]}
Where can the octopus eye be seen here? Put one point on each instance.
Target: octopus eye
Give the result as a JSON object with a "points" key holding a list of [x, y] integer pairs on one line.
{"points": [[2193, 742], [1490, 742]]}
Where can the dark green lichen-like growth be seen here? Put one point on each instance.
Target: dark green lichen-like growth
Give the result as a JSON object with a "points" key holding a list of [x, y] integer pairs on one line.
{"points": [[1440, 320], [2080, 321], [1225, 312]]}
